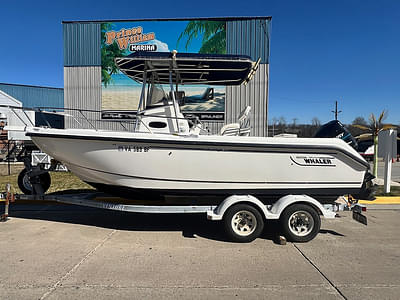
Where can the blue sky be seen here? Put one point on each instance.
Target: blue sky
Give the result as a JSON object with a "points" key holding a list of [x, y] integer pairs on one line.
{"points": [[321, 51]]}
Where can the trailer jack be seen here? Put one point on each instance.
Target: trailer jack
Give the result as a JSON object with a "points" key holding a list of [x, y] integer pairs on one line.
{"points": [[7, 197]]}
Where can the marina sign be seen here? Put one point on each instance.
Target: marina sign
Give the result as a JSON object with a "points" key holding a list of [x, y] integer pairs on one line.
{"points": [[120, 95]]}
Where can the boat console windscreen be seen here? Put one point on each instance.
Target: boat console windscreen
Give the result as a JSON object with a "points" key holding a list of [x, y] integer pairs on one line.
{"points": [[156, 95]]}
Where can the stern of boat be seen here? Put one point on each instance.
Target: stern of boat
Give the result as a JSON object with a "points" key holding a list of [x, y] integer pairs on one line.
{"points": [[368, 188]]}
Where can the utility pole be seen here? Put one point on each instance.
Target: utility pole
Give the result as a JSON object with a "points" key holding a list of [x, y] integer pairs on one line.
{"points": [[336, 112]]}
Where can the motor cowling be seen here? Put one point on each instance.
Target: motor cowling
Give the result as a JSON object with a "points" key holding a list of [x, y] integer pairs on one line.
{"points": [[335, 129]]}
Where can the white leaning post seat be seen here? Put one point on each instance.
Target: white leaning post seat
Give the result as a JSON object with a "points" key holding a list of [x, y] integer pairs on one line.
{"points": [[242, 127], [244, 121], [230, 129]]}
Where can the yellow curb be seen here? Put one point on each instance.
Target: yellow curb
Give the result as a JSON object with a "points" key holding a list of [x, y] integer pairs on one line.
{"points": [[382, 200]]}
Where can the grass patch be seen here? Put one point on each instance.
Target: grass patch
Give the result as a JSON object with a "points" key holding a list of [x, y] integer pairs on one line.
{"points": [[60, 181], [394, 191]]}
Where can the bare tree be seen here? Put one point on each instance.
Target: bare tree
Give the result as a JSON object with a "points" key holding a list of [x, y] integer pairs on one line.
{"points": [[294, 122], [360, 121], [315, 122], [274, 122]]}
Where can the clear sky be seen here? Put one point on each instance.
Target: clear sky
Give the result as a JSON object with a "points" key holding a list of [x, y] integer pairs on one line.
{"points": [[321, 51]]}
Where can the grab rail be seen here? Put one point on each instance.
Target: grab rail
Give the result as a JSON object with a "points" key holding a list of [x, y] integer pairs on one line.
{"points": [[78, 115]]}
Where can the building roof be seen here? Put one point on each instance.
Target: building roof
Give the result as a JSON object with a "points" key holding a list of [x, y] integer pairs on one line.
{"points": [[34, 96], [174, 19]]}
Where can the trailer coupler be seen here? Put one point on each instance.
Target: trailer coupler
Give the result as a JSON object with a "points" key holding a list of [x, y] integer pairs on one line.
{"points": [[349, 205]]}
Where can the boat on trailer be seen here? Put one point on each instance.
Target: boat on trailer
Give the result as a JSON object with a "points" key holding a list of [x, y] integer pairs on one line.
{"points": [[168, 154], [250, 179]]}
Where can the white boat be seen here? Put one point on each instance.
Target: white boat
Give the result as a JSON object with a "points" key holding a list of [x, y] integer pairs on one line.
{"points": [[167, 154]]}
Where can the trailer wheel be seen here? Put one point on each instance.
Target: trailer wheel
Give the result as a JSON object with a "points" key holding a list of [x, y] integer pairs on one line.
{"points": [[243, 223], [300, 223], [25, 184]]}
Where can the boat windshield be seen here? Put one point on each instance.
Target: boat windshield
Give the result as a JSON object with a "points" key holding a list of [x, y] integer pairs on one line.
{"points": [[156, 95]]}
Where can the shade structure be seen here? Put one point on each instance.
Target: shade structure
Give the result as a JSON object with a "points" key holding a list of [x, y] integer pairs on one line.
{"points": [[188, 68]]}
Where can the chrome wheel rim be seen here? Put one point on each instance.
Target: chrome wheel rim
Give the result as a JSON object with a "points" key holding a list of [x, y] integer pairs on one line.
{"points": [[301, 223], [27, 184], [244, 223]]}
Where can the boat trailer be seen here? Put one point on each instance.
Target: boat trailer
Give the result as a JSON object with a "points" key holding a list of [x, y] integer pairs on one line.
{"points": [[243, 215]]}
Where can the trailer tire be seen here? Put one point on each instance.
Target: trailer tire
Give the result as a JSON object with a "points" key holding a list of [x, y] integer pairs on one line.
{"points": [[300, 223], [25, 185], [243, 223]]}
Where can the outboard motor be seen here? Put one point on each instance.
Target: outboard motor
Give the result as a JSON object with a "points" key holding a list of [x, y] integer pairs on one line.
{"points": [[335, 129]]}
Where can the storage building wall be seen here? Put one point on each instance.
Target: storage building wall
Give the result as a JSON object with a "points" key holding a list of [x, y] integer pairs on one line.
{"points": [[250, 37], [82, 72], [35, 96]]}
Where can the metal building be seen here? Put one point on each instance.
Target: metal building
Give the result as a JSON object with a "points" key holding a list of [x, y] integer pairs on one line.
{"points": [[35, 96], [244, 35]]}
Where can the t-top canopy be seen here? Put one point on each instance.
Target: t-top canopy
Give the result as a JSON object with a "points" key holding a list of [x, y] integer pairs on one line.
{"points": [[188, 68]]}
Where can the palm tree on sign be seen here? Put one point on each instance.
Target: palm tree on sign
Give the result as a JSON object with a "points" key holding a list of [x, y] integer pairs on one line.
{"points": [[213, 35], [108, 53], [373, 128]]}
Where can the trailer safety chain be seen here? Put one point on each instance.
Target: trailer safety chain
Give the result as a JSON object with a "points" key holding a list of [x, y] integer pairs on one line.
{"points": [[8, 198]]}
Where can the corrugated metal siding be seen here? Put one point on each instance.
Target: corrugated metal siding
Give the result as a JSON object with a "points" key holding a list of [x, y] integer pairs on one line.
{"points": [[213, 127], [35, 96], [83, 91], [252, 38], [82, 44], [249, 37], [255, 94]]}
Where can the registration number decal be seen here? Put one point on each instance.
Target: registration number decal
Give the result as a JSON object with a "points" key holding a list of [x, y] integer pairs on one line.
{"points": [[131, 148]]}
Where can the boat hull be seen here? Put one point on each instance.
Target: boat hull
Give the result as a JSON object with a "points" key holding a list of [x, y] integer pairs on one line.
{"points": [[206, 165]]}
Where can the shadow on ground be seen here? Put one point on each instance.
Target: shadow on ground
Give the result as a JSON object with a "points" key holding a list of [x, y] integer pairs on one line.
{"points": [[191, 225]]}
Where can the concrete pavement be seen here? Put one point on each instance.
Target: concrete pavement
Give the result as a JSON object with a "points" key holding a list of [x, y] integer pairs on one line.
{"points": [[67, 252]]}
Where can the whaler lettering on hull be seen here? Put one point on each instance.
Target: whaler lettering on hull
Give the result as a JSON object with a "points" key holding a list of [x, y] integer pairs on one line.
{"points": [[314, 161]]}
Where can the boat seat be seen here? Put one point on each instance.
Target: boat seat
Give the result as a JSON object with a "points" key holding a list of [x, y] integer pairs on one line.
{"points": [[244, 121], [230, 129], [242, 127]]}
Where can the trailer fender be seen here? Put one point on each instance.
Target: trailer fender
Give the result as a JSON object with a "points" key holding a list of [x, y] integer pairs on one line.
{"points": [[276, 209], [219, 211]]}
